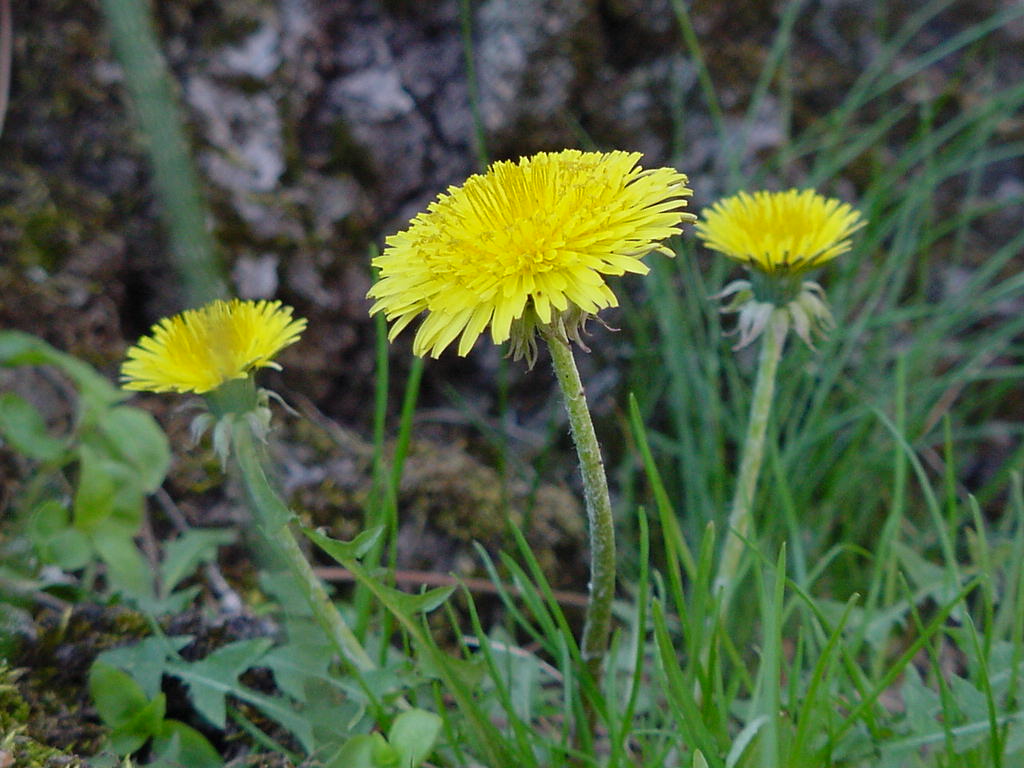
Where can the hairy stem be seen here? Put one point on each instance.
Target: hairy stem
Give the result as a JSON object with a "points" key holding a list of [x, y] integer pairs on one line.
{"points": [[598, 622], [741, 517], [273, 518]]}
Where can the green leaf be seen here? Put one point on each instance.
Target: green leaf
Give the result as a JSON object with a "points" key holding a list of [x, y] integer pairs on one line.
{"points": [[212, 678], [127, 570], [69, 550], [48, 519], [396, 600], [469, 672], [17, 348], [23, 427], [56, 542], [333, 715], [116, 695], [357, 752], [134, 438], [384, 755], [185, 553], [181, 744], [413, 734], [106, 489], [146, 722], [145, 661], [306, 655], [174, 603], [346, 550]]}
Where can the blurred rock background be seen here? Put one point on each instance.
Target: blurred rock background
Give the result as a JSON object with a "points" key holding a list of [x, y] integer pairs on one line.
{"points": [[320, 127]]}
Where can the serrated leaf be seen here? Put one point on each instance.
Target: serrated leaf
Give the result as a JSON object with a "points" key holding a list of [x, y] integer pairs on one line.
{"points": [[413, 734], [920, 702], [931, 579], [346, 550], [211, 679], [970, 701], [185, 553], [470, 673], [145, 660], [24, 428], [306, 655], [396, 600], [174, 603]]}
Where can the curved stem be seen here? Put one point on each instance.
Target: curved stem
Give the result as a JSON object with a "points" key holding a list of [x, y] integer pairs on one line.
{"points": [[740, 518], [597, 626], [273, 518]]}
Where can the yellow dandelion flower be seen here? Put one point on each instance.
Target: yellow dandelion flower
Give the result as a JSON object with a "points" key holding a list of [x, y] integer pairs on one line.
{"points": [[201, 349], [779, 233], [527, 243]]}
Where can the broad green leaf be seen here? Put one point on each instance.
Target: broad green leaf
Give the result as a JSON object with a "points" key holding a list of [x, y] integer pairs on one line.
{"points": [[129, 736], [181, 744], [133, 437], [127, 570], [55, 540], [106, 489], [116, 695], [69, 550], [356, 753], [413, 734], [24, 428], [49, 518]]}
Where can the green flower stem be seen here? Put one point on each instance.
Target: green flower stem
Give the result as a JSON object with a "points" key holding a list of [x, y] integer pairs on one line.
{"points": [[274, 518], [597, 625], [741, 518]]}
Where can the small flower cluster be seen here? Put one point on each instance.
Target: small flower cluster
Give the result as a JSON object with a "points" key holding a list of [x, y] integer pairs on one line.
{"points": [[525, 249]]}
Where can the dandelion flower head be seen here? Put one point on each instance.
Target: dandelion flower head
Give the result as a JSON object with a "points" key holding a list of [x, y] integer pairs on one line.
{"points": [[201, 349], [527, 243], [779, 233]]}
